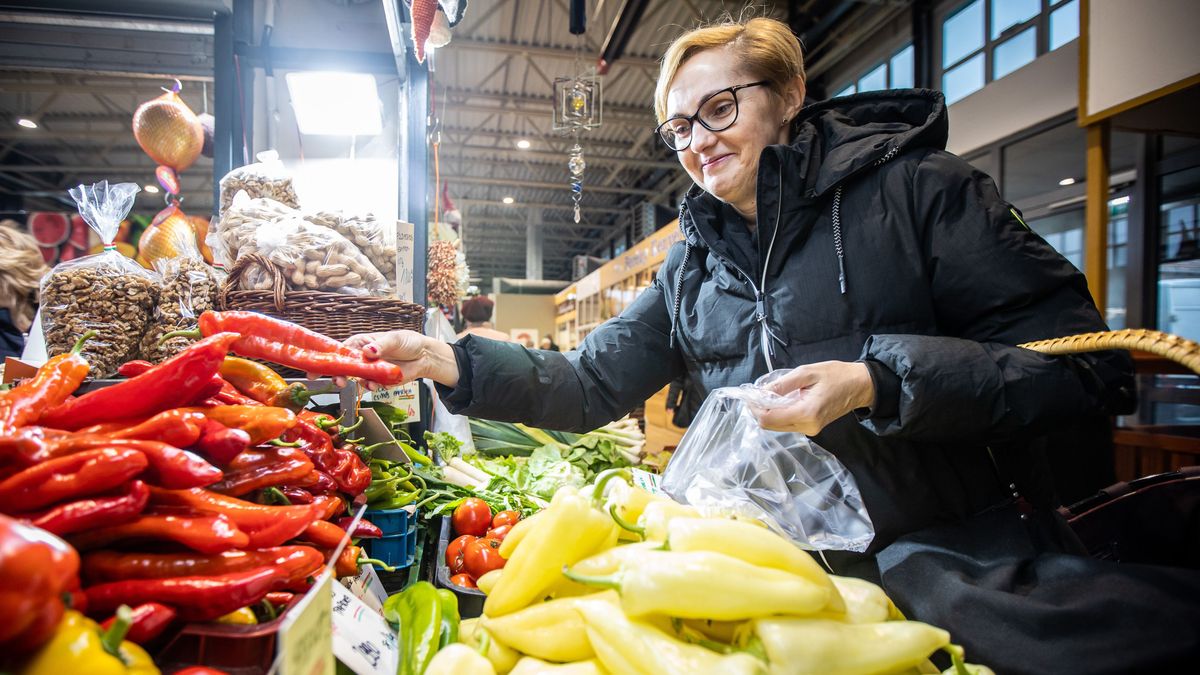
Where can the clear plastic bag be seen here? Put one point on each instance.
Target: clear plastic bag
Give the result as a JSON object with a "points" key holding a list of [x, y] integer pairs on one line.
{"points": [[189, 288], [728, 464], [375, 241], [105, 292], [265, 179], [316, 258]]}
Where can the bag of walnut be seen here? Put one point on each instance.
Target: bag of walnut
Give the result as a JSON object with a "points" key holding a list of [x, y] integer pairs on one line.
{"points": [[189, 288], [105, 292], [262, 180]]}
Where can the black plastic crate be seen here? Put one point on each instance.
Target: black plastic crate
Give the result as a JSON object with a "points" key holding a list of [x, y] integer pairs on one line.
{"points": [[470, 600]]}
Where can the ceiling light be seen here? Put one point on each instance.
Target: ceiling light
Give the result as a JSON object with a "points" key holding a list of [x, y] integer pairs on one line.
{"points": [[523, 144], [508, 200], [27, 123], [1066, 181], [335, 104], [150, 189], [1119, 201]]}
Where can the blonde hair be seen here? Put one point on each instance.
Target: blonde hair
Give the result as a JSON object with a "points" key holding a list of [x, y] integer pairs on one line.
{"points": [[21, 270], [766, 48]]}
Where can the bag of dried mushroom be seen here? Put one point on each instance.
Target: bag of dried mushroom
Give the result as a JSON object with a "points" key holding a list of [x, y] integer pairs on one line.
{"points": [[189, 288], [316, 258], [265, 179], [376, 241], [105, 292]]}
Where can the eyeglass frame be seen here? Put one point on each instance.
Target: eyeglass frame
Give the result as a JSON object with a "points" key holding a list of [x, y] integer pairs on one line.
{"points": [[737, 111]]}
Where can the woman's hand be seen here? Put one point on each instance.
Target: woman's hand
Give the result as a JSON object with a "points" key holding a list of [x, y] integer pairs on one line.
{"points": [[417, 355], [820, 393]]}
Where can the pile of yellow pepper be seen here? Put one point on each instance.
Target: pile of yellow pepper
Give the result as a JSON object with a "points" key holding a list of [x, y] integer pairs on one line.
{"points": [[613, 579]]}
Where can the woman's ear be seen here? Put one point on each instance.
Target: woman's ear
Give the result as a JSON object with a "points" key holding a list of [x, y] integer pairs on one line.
{"points": [[793, 97]]}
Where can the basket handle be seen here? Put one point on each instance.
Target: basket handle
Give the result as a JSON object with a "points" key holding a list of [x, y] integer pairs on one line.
{"points": [[1181, 350], [242, 267]]}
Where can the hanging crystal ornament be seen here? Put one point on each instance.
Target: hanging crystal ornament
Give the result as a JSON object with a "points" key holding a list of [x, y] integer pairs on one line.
{"points": [[576, 165], [577, 108]]}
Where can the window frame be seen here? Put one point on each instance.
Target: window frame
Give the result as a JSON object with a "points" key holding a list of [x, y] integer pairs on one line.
{"points": [[852, 83]]}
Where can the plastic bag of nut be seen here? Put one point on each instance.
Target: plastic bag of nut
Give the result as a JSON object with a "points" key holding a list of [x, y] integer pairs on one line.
{"points": [[265, 179], [376, 241], [105, 292], [189, 288], [316, 258]]}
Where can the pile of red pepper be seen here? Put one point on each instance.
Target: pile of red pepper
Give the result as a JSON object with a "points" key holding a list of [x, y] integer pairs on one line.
{"points": [[185, 496]]}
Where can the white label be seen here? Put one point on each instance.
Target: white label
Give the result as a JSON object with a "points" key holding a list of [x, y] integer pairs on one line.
{"points": [[647, 481], [362, 639], [404, 261], [305, 634], [368, 588], [403, 396]]}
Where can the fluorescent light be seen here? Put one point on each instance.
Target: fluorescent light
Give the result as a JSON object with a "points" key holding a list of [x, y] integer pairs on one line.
{"points": [[523, 144], [508, 200], [267, 156], [335, 104], [27, 123], [1119, 201], [1066, 181], [150, 189]]}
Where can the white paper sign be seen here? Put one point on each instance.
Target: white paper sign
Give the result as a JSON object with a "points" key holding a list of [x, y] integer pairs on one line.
{"points": [[403, 396], [647, 481], [304, 641], [368, 588], [404, 261], [362, 639]]}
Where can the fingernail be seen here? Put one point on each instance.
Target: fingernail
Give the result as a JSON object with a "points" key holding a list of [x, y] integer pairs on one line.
{"points": [[372, 347]]}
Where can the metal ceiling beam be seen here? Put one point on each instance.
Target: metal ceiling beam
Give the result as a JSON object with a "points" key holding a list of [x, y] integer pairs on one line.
{"points": [[546, 185], [636, 113], [547, 51], [518, 156], [563, 206], [512, 136]]}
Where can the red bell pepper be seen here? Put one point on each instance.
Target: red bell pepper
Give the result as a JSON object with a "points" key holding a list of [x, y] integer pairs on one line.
{"points": [[317, 482], [53, 383], [106, 566], [36, 569], [175, 383], [180, 428], [78, 475], [221, 444], [119, 507], [264, 525], [206, 534], [257, 468], [200, 598], [147, 621], [365, 529], [343, 466]]}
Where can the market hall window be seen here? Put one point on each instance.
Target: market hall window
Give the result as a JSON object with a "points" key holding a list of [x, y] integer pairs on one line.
{"points": [[895, 72], [986, 40]]}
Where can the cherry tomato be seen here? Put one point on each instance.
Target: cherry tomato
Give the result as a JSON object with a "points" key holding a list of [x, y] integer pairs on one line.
{"points": [[463, 580], [454, 553], [506, 518], [499, 533], [473, 516], [483, 556]]}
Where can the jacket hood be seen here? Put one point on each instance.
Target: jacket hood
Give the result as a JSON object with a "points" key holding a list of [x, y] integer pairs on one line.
{"points": [[834, 140]]}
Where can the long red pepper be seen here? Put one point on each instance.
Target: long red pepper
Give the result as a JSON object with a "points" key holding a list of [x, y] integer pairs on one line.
{"points": [[195, 598], [296, 495], [175, 383], [257, 468], [365, 529], [220, 443], [323, 534], [317, 482], [262, 422], [333, 505], [275, 330], [148, 621], [179, 427], [53, 383], [264, 525], [343, 466], [92, 512], [105, 566], [169, 466], [78, 475], [206, 534]]}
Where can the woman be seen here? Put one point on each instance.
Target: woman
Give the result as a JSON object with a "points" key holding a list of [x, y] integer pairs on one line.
{"points": [[843, 241], [477, 312], [21, 270]]}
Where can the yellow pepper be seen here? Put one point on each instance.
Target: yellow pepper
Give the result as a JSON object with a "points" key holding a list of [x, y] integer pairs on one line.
{"points": [[551, 630], [659, 514], [613, 491], [755, 545], [707, 585], [459, 659], [717, 631], [632, 647], [517, 534], [80, 645], [568, 531], [239, 617], [865, 602], [503, 657], [489, 580], [798, 646], [532, 666]]}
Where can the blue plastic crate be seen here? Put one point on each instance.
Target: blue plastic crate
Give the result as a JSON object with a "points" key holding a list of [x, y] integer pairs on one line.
{"points": [[397, 550], [393, 522]]}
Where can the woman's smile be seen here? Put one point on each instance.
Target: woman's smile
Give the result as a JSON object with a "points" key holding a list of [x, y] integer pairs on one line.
{"points": [[711, 164]]}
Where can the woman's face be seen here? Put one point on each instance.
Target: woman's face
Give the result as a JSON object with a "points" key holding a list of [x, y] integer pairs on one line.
{"points": [[725, 163]]}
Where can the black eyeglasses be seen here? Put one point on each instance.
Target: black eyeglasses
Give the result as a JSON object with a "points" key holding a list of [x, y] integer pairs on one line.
{"points": [[717, 112]]}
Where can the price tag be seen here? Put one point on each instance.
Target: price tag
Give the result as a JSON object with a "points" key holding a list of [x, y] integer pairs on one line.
{"points": [[362, 640], [647, 481], [305, 635], [404, 396], [368, 588]]}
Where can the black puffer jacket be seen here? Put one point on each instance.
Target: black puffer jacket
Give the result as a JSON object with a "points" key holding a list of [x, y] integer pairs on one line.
{"points": [[875, 244]]}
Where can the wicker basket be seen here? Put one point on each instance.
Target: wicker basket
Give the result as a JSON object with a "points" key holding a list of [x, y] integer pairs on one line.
{"points": [[334, 314]]}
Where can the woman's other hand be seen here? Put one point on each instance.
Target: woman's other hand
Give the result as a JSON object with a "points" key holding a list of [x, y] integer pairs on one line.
{"points": [[819, 393], [417, 355]]}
